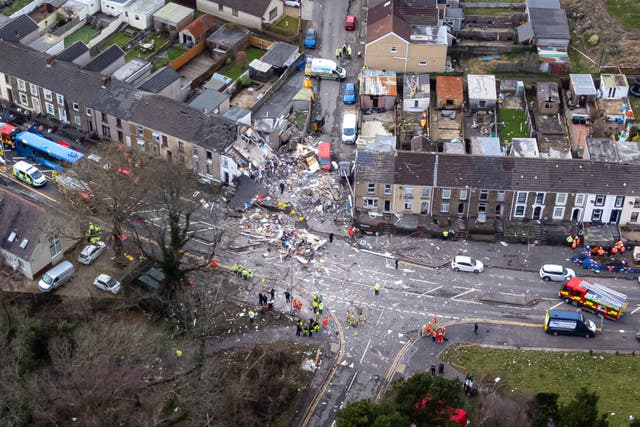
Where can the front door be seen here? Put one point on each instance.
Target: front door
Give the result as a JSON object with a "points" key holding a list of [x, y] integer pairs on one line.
{"points": [[615, 216], [537, 211]]}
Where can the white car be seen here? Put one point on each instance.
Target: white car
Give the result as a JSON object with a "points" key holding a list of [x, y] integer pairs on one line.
{"points": [[556, 273], [107, 283], [292, 3], [465, 263], [91, 252]]}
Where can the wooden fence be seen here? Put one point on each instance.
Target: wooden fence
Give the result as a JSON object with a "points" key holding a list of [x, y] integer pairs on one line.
{"points": [[187, 56], [259, 43]]}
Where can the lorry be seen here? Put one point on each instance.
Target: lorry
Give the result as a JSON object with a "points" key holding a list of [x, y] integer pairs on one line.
{"points": [[324, 69], [599, 299], [564, 322]]}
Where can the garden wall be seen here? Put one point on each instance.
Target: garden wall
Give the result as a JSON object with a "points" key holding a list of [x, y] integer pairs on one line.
{"points": [[106, 32]]}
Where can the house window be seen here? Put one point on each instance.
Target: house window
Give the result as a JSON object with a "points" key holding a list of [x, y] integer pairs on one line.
{"points": [[634, 216], [387, 189], [464, 193], [48, 95], [484, 195], [482, 207], [225, 162], [89, 111], [139, 131], [423, 63], [600, 200], [444, 207], [119, 123], [209, 156], [461, 208], [106, 131], [519, 212], [416, 103], [446, 193], [62, 113], [33, 89], [482, 104], [22, 85], [368, 203], [165, 142], [273, 13], [371, 188], [23, 99], [408, 205], [181, 146], [500, 196], [220, 7], [424, 207], [60, 99], [394, 49], [579, 199], [558, 212], [426, 192], [77, 120], [619, 201], [120, 136], [104, 117], [156, 138], [51, 110], [561, 199], [75, 106], [55, 246], [521, 197], [408, 193], [234, 12], [540, 198], [597, 215]]}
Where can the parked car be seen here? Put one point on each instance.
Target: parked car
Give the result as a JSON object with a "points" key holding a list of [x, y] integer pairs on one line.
{"points": [[324, 155], [310, 38], [556, 273], [107, 284], [350, 23], [292, 3], [349, 93], [91, 252], [465, 263], [151, 280]]}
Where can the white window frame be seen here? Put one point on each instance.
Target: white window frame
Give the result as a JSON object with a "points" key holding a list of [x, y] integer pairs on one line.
{"points": [[408, 193], [444, 207], [35, 104], [423, 63], [464, 193], [55, 246], [24, 99], [424, 206], [89, 111], [619, 202], [446, 193], [369, 203], [596, 215], [75, 106], [500, 196], [393, 49], [22, 85], [483, 195], [77, 120], [33, 89], [599, 200], [51, 110], [521, 214], [519, 199], [541, 197], [561, 199], [387, 189], [156, 138], [62, 114], [371, 188], [48, 95], [426, 192], [580, 199], [139, 131], [634, 216], [59, 99], [558, 212]]}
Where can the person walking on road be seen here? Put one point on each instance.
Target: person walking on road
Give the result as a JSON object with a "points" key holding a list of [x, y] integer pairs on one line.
{"points": [[261, 298], [475, 328], [287, 297], [252, 315], [273, 294], [433, 369], [299, 327], [281, 187], [330, 237], [397, 263], [376, 289], [434, 334]]}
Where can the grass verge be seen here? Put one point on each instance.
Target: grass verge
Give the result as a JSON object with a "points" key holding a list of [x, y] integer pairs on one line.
{"points": [[627, 12], [487, 11], [16, 6], [234, 70], [513, 124], [84, 34], [563, 373]]}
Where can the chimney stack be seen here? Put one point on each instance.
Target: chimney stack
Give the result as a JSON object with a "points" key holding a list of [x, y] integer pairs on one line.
{"points": [[106, 80], [51, 60]]}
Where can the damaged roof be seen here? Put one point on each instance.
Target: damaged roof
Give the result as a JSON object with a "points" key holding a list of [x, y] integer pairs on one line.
{"points": [[378, 82], [375, 166]]}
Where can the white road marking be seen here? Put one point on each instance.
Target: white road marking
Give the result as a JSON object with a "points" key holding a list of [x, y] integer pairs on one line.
{"points": [[560, 303], [362, 358], [634, 311], [463, 293], [431, 290]]}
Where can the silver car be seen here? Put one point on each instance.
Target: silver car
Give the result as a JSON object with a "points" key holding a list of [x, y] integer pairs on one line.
{"points": [[556, 273], [465, 263], [91, 252], [107, 284]]}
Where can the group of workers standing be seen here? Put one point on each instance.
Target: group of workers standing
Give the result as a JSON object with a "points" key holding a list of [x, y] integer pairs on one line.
{"points": [[240, 271], [432, 330], [93, 233], [344, 50]]}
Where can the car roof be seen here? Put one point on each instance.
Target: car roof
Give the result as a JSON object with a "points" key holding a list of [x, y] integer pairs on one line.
{"points": [[351, 18], [462, 258], [103, 277], [350, 85], [553, 268], [311, 31]]}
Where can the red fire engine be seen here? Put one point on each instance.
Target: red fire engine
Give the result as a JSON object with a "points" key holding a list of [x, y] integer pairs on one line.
{"points": [[593, 297]]}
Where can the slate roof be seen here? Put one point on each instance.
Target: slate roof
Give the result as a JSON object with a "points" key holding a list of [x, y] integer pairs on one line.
{"points": [[117, 99], [209, 100], [375, 166], [21, 217], [398, 16], [549, 23], [201, 25], [105, 59], [253, 7], [517, 173], [72, 52], [279, 53], [160, 80], [17, 28]]}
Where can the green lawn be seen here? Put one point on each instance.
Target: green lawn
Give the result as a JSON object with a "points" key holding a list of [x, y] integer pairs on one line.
{"points": [[626, 11], [170, 54], [288, 24], [119, 38], [137, 52], [487, 11], [19, 4], [563, 373], [234, 70], [513, 124], [84, 34]]}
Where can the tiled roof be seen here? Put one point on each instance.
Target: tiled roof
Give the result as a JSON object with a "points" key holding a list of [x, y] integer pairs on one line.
{"points": [[105, 59], [517, 173], [398, 16], [549, 23], [72, 52], [21, 217], [17, 28], [160, 80], [252, 7], [201, 25], [449, 87], [375, 166]]}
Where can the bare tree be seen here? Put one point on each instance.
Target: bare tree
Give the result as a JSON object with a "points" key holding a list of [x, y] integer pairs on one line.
{"points": [[116, 187]]}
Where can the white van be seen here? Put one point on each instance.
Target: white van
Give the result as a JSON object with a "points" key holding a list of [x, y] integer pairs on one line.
{"points": [[56, 277], [29, 174], [349, 128], [324, 69]]}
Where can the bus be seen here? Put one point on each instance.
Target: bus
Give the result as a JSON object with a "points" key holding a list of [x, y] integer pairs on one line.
{"points": [[45, 152]]}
